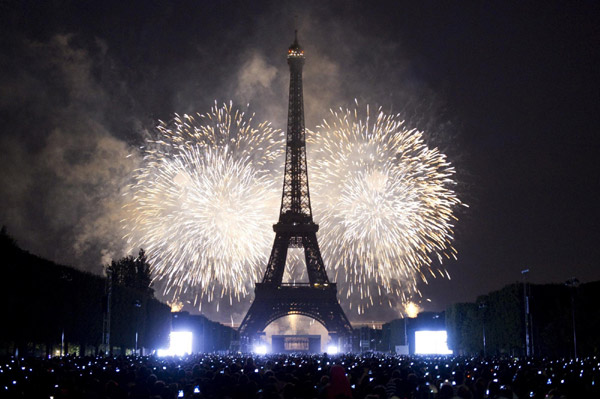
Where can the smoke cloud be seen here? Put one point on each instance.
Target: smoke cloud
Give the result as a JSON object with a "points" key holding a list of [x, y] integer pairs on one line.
{"points": [[65, 169]]}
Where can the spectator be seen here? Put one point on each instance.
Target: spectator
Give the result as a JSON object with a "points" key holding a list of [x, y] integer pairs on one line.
{"points": [[339, 386]]}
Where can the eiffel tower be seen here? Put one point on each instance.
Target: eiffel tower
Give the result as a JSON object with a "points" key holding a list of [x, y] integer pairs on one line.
{"points": [[317, 298]]}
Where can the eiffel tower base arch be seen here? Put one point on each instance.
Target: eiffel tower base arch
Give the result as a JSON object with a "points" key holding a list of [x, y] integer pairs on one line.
{"points": [[317, 301]]}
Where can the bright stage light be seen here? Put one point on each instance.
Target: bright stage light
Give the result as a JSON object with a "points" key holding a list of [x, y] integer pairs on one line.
{"points": [[260, 349], [181, 343], [332, 349], [163, 353], [431, 343]]}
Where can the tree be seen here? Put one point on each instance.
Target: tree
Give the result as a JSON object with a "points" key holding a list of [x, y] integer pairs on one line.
{"points": [[132, 273], [464, 328], [6, 240], [143, 274]]}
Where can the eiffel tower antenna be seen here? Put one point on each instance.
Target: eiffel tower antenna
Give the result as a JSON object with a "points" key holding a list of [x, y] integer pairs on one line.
{"points": [[295, 229]]}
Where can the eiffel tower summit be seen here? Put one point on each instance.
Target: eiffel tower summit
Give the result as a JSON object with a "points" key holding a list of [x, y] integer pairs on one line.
{"points": [[295, 229]]}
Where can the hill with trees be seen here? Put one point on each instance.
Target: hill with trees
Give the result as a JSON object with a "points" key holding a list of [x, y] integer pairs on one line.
{"points": [[49, 308]]}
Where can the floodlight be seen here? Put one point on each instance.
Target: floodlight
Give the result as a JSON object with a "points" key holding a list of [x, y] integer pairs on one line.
{"points": [[163, 353], [181, 343], [260, 349], [431, 343]]}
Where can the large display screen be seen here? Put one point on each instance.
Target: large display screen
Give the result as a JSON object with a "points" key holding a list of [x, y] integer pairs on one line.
{"points": [[431, 343], [181, 343], [295, 344]]}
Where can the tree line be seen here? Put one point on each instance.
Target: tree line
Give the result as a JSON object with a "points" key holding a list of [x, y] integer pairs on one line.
{"points": [[46, 306], [562, 318]]}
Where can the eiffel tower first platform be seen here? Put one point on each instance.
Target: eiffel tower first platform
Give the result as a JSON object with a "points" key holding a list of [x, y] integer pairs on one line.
{"points": [[317, 298]]}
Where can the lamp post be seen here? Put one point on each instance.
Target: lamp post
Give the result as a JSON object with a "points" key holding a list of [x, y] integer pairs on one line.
{"points": [[482, 306], [106, 313], [137, 305], [573, 283], [405, 330], [525, 272]]}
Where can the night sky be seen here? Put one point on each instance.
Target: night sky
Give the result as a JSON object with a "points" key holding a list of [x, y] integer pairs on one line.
{"points": [[509, 91]]}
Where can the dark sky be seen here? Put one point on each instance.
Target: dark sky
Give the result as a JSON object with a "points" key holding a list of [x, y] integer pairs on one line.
{"points": [[509, 91]]}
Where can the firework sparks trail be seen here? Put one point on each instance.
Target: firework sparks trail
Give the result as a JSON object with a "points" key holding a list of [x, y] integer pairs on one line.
{"points": [[385, 204], [203, 203]]}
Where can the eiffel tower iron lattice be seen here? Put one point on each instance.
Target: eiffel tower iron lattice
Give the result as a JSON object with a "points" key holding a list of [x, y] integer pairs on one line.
{"points": [[295, 229]]}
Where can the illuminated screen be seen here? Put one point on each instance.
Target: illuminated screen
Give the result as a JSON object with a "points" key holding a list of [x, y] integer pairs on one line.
{"points": [[295, 343], [181, 343], [431, 343]]}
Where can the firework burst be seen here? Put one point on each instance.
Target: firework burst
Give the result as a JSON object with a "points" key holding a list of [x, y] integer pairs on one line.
{"points": [[203, 202], [208, 192], [385, 204]]}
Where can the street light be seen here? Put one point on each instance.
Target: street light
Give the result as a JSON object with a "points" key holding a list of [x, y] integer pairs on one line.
{"points": [[482, 306], [411, 310], [525, 272], [406, 332], [573, 283], [137, 305]]}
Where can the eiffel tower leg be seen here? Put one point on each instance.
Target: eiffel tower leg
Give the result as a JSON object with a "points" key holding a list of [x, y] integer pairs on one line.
{"points": [[314, 262], [276, 265], [253, 323]]}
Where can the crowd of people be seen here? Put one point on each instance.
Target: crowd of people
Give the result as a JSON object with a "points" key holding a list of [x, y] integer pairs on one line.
{"points": [[239, 376]]}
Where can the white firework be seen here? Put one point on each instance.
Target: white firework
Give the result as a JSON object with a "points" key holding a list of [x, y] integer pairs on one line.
{"points": [[385, 203], [203, 202]]}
